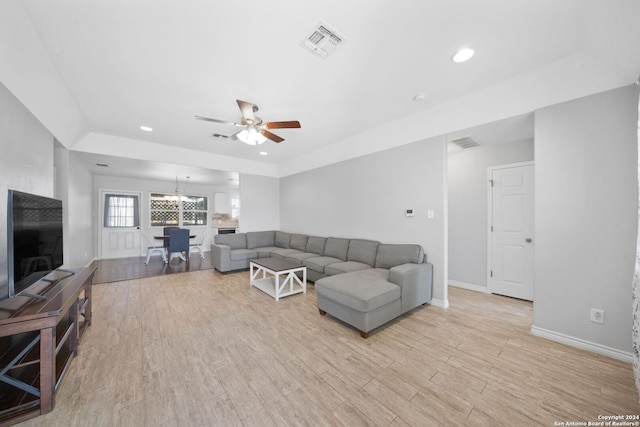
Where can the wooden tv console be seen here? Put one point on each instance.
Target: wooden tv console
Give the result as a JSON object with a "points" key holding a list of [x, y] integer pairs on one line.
{"points": [[38, 340]]}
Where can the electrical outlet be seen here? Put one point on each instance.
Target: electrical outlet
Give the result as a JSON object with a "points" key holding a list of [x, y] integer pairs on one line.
{"points": [[597, 315]]}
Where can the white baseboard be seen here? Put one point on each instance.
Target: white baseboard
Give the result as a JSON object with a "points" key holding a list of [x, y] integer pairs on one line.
{"points": [[582, 344], [439, 303], [469, 286]]}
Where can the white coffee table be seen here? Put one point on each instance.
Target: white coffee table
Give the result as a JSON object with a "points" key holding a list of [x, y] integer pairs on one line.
{"points": [[277, 277]]}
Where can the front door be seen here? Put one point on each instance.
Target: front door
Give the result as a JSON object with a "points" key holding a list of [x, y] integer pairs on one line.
{"points": [[120, 224], [511, 226]]}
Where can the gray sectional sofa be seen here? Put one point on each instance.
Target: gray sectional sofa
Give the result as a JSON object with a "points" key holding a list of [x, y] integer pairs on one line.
{"points": [[362, 282]]}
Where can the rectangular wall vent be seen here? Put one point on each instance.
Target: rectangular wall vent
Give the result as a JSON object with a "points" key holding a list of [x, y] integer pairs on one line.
{"points": [[322, 40], [465, 142]]}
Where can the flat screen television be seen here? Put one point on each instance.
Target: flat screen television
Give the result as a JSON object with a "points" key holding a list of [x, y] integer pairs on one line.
{"points": [[34, 239]]}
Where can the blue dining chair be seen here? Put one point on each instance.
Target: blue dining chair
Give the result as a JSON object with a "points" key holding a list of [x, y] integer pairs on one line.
{"points": [[165, 232], [179, 244]]}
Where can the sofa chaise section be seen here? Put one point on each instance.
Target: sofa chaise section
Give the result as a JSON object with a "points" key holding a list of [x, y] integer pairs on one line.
{"points": [[369, 298]]}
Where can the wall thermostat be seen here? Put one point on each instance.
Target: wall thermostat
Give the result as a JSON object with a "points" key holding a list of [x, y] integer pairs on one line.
{"points": [[408, 212]]}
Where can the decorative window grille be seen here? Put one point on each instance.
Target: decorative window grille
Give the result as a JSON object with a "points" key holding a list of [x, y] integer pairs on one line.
{"points": [[121, 210], [171, 210]]}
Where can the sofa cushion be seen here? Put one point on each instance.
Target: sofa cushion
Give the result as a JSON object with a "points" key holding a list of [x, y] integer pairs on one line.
{"points": [[260, 239], [265, 251], [363, 251], [359, 291], [316, 245], [299, 242], [391, 255], [300, 256], [376, 273], [337, 248], [282, 239], [281, 252], [345, 267], [235, 241], [240, 254], [319, 263]]}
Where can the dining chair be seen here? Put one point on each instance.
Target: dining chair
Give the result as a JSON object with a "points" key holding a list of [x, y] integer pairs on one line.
{"points": [[153, 248], [165, 232], [179, 243], [197, 245]]}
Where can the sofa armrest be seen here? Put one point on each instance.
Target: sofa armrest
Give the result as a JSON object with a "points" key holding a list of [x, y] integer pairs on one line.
{"points": [[221, 257], [415, 281]]}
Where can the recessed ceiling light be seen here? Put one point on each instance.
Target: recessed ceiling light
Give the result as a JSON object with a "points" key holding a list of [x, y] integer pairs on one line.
{"points": [[463, 55], [263, 153], [146, 128], [420, 97]]}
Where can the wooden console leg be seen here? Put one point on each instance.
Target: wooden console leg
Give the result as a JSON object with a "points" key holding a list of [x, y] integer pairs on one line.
{"points": [[364, 334], [322, 312]]}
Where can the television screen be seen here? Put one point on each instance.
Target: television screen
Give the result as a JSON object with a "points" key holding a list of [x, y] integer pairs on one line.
{"points": [[34, 239]]}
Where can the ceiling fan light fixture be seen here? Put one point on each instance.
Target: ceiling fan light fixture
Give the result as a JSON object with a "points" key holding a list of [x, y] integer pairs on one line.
{"points": [[251, 136]]}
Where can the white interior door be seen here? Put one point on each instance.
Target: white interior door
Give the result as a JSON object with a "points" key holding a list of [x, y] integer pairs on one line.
{"points": [[120, 240], [511, 231]]}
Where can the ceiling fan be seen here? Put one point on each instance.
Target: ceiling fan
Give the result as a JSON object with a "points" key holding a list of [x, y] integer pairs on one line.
{"points": [[253, 130]]}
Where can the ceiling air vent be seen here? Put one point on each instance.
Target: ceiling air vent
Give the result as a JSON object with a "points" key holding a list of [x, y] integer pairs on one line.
{"points": [[465, 142], [322, 40]]}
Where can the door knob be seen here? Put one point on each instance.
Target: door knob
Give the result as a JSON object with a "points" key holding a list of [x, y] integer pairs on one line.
{"points": [[528, 240]]}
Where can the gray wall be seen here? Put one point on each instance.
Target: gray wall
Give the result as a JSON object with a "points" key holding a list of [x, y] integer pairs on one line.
{"points": [[26, 163], [366, 197], [259, 203], [468, 199], [586, 217]]}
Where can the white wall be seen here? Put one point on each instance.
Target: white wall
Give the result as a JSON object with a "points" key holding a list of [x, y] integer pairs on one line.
{"points": [[259, 203], [467, 180], [586, 219], [366, 197], [26, 163], [145, 187]]}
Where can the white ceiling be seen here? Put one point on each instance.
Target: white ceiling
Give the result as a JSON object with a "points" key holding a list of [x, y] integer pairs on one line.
{"points": [[123, 64]]}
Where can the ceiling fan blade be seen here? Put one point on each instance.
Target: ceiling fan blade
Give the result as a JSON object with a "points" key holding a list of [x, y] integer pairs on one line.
{"points": [[220, 136], [283, 125], [272, 136], [247, 111], [218, 121], [234, 136]]}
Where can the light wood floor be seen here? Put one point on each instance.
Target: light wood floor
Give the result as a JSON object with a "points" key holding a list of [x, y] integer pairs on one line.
{"points": [[205, 349]]}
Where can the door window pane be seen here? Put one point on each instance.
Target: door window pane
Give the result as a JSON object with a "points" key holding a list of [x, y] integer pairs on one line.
{"points": [[121, 211]]}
